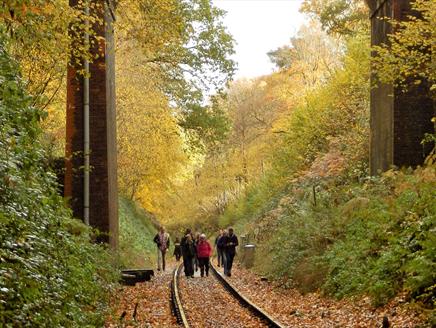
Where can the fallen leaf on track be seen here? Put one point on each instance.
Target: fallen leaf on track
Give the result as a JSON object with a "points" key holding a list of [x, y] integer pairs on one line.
{"points": [[153, 298], [208, 304]]}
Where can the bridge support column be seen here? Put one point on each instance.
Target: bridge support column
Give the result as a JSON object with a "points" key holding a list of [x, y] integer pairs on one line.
{"points": [[399, 120], [103, 212]]}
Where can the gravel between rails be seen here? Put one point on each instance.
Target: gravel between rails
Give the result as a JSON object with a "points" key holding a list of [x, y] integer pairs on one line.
{"points": [[208, 304], [293, 309], [153, 298]]}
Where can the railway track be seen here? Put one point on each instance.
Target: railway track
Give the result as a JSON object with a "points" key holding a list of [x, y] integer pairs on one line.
{"points": [[178, 308], [176, 300]]}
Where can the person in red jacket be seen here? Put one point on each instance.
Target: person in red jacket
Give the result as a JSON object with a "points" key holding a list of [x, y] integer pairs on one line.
{"points": [[204, 252]]}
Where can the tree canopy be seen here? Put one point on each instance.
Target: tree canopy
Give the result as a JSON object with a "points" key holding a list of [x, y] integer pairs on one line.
{"points": [[183, 42]]}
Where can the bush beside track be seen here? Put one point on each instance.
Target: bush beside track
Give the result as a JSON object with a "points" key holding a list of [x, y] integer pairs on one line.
{"points": [[51, 275]]}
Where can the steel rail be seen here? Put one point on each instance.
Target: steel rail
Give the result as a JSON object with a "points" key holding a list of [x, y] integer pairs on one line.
{"points": [[176, 301], [245, 301]]}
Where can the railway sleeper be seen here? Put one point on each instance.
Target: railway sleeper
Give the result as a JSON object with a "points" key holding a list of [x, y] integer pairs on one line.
{"points": [[138, 275], [128, 279]]}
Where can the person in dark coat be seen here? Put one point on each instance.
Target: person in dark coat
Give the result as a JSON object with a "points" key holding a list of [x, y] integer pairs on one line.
{"points": [[219, 250], [188, 253], [231, 241], [196, 240], [221, 245], [177, 249]]}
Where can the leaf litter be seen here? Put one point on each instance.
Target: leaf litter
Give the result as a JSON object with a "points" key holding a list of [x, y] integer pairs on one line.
{"points": [[208, 304], [151, 300], [293, 309]]}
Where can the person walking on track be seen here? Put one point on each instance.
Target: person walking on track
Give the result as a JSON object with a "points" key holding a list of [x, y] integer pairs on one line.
{"points": [[219, 249], [188, 253], [204, 251], [177, 250], [196, 240], [162, 240], [221, 245], [230, 242]]}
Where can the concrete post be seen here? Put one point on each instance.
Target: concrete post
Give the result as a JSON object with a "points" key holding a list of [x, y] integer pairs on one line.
{"points": [[249, 253]]}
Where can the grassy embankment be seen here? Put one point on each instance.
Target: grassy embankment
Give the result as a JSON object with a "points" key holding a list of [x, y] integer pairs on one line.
{"points": [[320, 222], [137, 230]]}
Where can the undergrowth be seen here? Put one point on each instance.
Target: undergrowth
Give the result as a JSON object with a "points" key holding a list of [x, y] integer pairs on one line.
{"points": [[374, 238], [51, 275]]}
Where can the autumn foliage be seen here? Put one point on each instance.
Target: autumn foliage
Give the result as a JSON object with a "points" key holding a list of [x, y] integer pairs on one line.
{"points": [[282, 157]]}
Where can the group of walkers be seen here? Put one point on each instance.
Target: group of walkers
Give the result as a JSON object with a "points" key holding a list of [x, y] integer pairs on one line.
{"points": [[196, 251]]}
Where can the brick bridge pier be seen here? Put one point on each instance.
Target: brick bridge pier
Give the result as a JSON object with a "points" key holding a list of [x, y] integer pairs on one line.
{"points": [[103, 193], [399, 120]]}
